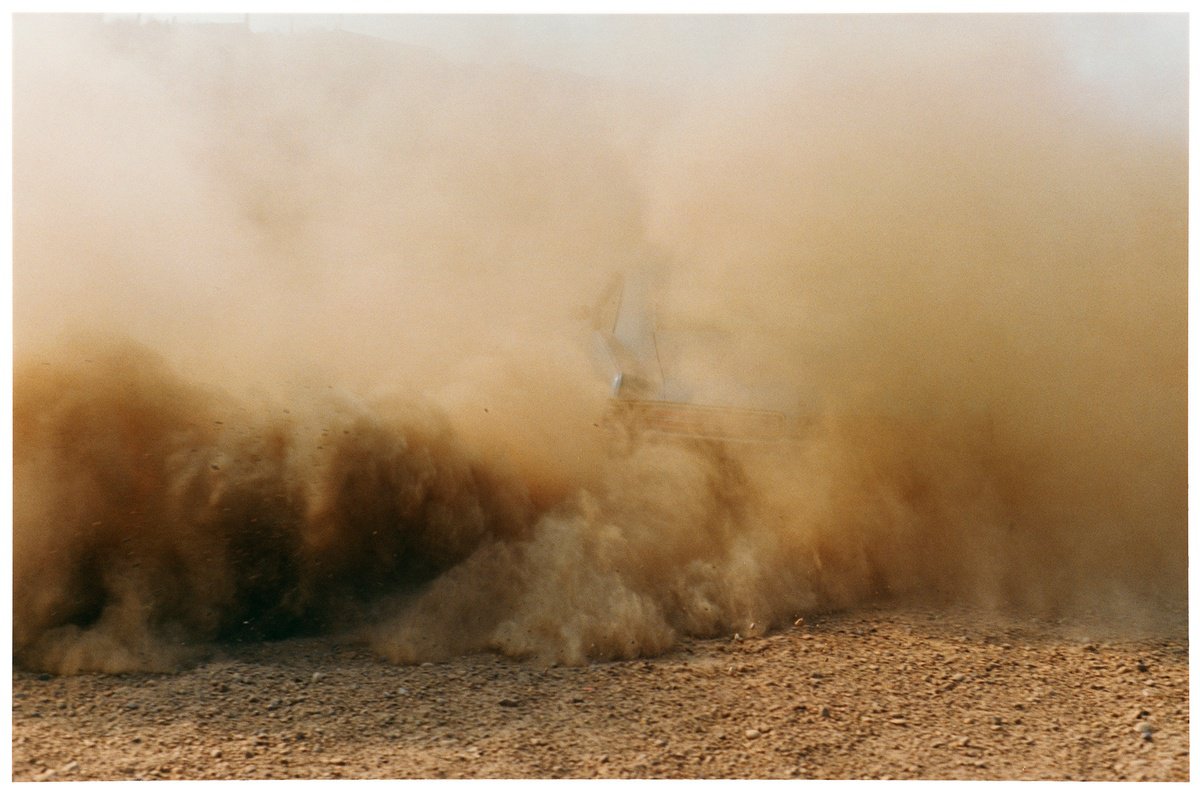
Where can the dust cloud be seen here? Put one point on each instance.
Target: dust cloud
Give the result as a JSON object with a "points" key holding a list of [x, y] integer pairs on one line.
{"points": [[302, 325]]}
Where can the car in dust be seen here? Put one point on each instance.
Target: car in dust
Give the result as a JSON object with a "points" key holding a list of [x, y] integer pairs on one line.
{"points": [[652, 398]]}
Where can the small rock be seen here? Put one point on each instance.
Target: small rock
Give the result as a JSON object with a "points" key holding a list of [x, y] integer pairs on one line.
{"points": [[824, 711], [1146, 730], [69, 767], [1142, 666], [507, 702], [752, 733]]}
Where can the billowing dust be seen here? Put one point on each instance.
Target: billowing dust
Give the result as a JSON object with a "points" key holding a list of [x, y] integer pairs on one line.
{"points": [[302, 329]]}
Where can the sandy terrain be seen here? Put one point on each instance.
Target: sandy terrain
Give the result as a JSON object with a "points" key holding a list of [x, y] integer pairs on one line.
{"points": [[877, 693]]}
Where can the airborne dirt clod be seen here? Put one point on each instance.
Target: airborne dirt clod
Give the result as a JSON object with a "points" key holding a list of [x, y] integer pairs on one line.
{"points": [[901, 693]]}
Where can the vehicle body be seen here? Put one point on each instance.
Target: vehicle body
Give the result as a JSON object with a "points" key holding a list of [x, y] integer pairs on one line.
{"points": [[645, 399]]}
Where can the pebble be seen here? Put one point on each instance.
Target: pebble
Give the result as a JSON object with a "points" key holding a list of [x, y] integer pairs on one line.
{"points": [[752, 733], [316, 676]]}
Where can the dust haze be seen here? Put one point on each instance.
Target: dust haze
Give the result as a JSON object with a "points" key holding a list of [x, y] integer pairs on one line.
{"points": [[302, 323]]}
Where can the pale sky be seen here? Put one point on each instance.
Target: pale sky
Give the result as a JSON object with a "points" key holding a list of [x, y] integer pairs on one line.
{"points": [[671, 50]]}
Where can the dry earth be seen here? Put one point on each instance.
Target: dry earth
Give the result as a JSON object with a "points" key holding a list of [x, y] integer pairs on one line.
{"points": [[877, 693]]}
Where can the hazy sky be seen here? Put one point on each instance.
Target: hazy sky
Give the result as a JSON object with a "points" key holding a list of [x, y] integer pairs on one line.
{"points": [[672, 51], [660, 50]]}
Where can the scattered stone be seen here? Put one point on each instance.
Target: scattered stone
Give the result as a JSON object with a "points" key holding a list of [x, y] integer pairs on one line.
{"points": [[752, 733], [508, 702], [316, 676]]}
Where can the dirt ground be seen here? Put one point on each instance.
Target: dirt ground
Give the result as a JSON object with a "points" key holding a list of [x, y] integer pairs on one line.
{"points": [[911, 693]]}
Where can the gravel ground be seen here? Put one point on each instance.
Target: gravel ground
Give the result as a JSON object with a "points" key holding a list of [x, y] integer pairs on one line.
{"points": [[871, 694]]}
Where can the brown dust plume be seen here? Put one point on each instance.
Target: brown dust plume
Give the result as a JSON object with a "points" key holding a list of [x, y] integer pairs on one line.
{"points": [[302, 332]]}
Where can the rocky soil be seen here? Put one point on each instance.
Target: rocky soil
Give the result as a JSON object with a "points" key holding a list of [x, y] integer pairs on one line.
{"points": [[872, 694]]}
